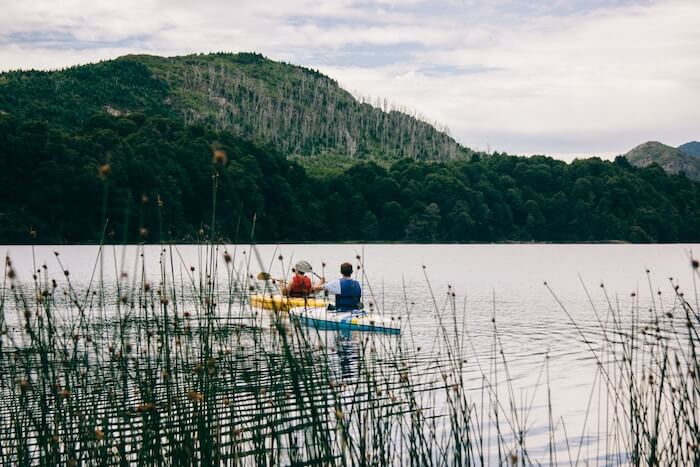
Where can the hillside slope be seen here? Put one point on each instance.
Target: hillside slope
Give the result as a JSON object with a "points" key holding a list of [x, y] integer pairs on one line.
{"points": [[296, 110], [691, 148], [672, 160]]}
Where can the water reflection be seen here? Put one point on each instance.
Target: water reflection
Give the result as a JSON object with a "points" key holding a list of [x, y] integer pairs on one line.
{"points": [[347, 345]]}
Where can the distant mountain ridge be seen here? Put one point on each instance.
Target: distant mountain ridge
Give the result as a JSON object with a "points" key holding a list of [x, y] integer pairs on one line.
{"points": [[297, 111], [692, 148], [673, 160]]}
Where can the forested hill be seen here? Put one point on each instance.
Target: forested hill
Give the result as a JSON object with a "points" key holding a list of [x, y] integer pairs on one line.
{"points": [[691, 148], [139, 178], [672, 160], [295, 110]]}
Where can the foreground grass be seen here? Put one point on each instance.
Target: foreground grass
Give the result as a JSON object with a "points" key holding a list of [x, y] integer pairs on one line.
{"points": [[179, 370]]}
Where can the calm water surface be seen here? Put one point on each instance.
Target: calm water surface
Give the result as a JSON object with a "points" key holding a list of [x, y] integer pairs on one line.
{"points": [[505, 282]]}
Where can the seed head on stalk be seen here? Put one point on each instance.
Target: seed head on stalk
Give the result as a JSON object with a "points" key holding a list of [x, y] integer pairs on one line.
{"points": [[219, 157], [104, 171], [195, 396]]}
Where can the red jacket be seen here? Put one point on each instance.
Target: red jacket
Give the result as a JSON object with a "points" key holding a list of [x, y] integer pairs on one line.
{"points": [[300, 286]]}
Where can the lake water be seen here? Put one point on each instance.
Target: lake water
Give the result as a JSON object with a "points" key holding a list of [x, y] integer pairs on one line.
{"points": [[552, 337]]}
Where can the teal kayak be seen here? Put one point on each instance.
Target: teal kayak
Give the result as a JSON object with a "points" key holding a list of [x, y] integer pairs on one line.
{"points": [[356, 320]]}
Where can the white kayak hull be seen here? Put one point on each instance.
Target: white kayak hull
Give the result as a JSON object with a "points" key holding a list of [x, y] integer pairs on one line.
{"points": [[357, 320]]}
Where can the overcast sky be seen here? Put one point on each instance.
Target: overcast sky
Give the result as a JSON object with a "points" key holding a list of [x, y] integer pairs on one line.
{"points": [[557, 77]]}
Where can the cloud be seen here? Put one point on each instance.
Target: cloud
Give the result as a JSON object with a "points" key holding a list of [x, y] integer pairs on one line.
{"points": [[597, 82], [539, 76]]}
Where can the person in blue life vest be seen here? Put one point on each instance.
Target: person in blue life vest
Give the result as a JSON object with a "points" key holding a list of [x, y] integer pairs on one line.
{"points": [[347, 290]]}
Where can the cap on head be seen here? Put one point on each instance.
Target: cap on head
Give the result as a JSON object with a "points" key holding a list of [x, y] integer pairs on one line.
{"points": [[302, 266]]}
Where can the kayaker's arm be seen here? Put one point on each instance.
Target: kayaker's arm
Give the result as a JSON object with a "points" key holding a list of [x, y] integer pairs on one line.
{"points": [[318, 286], [283, 287]]}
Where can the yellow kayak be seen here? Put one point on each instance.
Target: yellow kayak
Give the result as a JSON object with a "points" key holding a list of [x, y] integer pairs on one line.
{"points": [[282, 303]]}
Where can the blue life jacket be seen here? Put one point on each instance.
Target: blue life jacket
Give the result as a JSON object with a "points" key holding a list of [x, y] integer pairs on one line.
{"points": [[350, 293]]}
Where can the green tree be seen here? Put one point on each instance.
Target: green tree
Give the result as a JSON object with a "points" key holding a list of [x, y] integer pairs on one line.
{"points": [[369, 226], [392, 221], [424, 226]]}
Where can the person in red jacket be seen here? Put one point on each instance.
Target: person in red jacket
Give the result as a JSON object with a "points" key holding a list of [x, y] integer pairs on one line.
{"points": [[300, 285]]}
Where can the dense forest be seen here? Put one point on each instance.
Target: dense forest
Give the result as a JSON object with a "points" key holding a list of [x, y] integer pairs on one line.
{"points": [[295, 110], [153, 178]]}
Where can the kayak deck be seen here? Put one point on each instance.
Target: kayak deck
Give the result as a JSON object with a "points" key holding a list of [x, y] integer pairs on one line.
{"points": [[356, 320], [284, 303]]}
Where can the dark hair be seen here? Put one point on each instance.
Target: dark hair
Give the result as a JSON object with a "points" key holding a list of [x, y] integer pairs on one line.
{"points": [[346, 269]]}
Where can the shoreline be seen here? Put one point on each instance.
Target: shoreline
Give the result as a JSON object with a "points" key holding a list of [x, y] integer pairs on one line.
{"points": [[357, 242]]}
